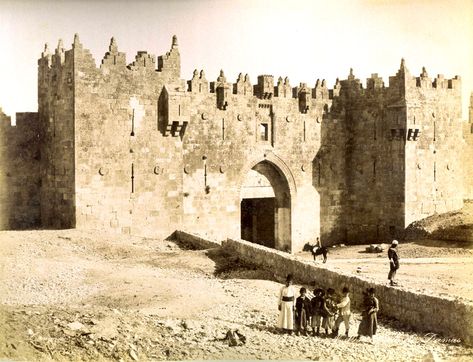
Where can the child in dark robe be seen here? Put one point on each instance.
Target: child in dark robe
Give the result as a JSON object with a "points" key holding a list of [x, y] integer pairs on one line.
{"points": [[369, 319], [317, 307], [330, 309], [302, 312]]}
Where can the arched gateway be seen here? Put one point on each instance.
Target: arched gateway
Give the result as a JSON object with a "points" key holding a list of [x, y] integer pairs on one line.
{"points": [[265, 204]]}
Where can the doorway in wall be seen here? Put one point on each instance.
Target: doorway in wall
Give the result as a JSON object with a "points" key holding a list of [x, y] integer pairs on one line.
{"points": [[265, 207]]}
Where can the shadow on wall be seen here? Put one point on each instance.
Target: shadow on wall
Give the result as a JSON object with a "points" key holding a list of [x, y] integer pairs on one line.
{"points": [[328, 178], [20, 179]]}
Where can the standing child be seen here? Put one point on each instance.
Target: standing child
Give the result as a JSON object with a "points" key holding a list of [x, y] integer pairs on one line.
{"points": [[286, 306], [344, 312], [330, 308], [317, 307], [302, 312], [369, 319]]}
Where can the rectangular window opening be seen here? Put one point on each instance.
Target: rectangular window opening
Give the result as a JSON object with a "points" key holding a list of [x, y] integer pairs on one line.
{"points": [[263, 132]]}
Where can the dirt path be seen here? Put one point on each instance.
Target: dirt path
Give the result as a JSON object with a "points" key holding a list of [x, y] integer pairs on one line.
{"points": [[67, 296], [435, 269]]}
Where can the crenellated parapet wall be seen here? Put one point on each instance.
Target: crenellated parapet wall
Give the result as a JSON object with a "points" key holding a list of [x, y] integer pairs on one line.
{"points": [[135, 148]]}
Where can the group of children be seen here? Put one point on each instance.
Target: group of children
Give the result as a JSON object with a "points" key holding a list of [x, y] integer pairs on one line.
{"points": [[324, 310]]}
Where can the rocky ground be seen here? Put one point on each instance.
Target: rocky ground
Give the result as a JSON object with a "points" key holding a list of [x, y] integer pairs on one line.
{"points": [[455, 225], [74, 295]]}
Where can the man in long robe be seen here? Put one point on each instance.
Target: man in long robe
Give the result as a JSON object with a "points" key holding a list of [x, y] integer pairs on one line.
{"points": [[286, 306]]}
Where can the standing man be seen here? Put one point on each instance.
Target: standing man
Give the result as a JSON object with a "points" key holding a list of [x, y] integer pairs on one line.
{"points": [[393, 262], [286, 306]]}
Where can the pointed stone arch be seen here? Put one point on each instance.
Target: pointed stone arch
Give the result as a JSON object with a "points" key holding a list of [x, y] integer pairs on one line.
{"points": [[267, 190]]}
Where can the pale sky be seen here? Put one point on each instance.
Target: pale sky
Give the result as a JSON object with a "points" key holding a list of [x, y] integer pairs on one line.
{"points": [[303, 40]]}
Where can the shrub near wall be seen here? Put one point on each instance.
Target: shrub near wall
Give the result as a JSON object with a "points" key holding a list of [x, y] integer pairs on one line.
{"points": [[449, 317], [195, 240]]}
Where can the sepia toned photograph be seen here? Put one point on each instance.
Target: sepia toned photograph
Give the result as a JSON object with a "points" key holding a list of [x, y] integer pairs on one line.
{"points": [[236, 180]]}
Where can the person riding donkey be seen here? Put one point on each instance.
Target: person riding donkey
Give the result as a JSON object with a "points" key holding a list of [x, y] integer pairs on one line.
{"points": [[318, 249]]}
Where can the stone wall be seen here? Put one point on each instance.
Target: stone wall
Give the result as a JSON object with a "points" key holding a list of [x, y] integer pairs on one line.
{"points": [[445, 316], [128, 175], [56, 119], [467, 155], [222, 145], [373, 158], [19, 172], [433, 168]]}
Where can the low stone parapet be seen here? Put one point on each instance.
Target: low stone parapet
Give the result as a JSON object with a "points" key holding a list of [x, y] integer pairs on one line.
{"points": [[446, 316], [195, 240]]}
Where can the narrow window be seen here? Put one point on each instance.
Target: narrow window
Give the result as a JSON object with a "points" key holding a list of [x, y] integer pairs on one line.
{"points": [[263, 132], [374, 169], [435, 172], [374, 130], [204, 158], [179, 110], [435, 131], [223, 129], [132, 178], [133, 123], [304, 131]]}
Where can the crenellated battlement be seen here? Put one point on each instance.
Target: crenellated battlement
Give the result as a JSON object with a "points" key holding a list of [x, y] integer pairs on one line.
{"points": [[167, 64], [167, 67], [113, 57]]}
